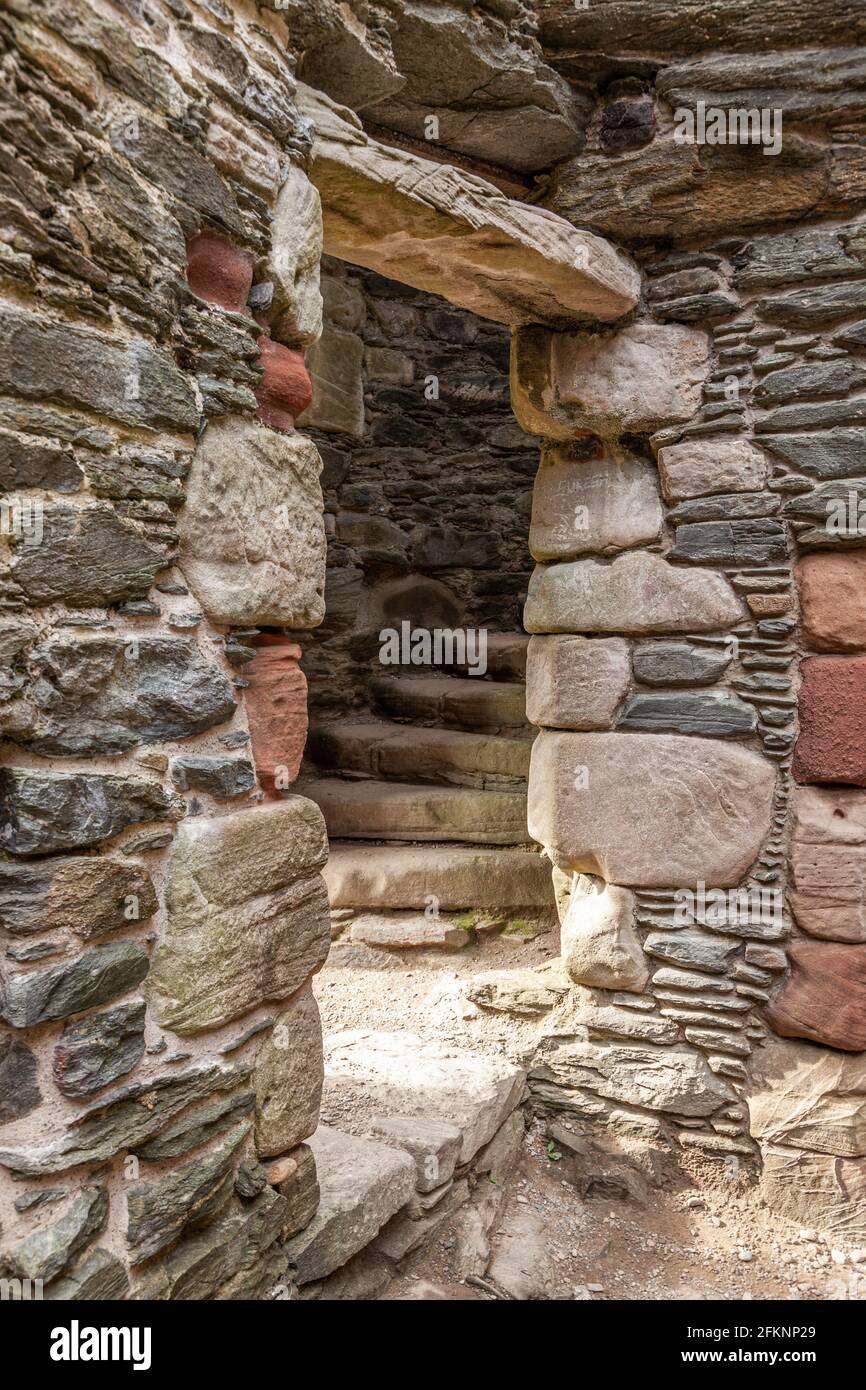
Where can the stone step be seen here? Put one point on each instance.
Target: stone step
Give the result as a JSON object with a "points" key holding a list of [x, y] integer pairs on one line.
{"points": [[380, 877], [379, 749], [363, 1183], [407, 811], [465, 702], [506, 655]]}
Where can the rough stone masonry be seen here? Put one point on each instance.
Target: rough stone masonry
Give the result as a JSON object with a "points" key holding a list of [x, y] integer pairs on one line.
{"points": [[689, 325]]}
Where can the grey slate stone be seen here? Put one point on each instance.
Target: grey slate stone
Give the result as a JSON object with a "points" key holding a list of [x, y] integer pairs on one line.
{"points": [[839, 453], [822, 502], [221, 777], [750, 542], [46, 1253], [785, 258], [123, 1120], [176, 166], [794, 383], [803, 308], [83, 894], [97, 975], [19, 1084], [695, 950], [45, 811], [677, 663], [89, 556], [715, 713], [96, 1050], [26, 462], [101, 1277], [207, 1122], [81, 367], [829, 413], [730, 506], [159, 1212], [105, 694]]}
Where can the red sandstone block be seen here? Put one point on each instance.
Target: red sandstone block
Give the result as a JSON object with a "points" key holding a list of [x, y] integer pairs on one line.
{"points": [[832, 742], [824, 997], [285, 390], [276, 702], [833, 598], [219, 272]]}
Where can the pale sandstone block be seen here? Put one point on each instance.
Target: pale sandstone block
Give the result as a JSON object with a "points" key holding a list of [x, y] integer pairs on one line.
{"points": [[576, 682]]}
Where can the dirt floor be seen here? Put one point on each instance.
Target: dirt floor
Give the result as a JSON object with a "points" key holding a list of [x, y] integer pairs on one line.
{"points": [[704, 1234]]}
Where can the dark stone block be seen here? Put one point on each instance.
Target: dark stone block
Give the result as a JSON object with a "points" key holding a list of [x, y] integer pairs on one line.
{"points": [[731, 543], [676, 663], [731, 506], [160, 1211], [627, 125], [137, 473], [793, 256], [823, 304], [177, 167], [829, 413], [46, 1253], [89, 556], [46, 811], [794, 383], [96, 1050], [221, 777], [199, 1126], [445, 547], [104, 694], [714, 713], [86, 895], [98, 975], [100, 1278], [128, 380], [19, 1087], [123, 1120], [27, 462], [838, 453]]}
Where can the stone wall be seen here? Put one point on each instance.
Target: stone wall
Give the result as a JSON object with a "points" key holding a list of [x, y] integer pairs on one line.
{"points": [[160, 1055], [427, 477]]}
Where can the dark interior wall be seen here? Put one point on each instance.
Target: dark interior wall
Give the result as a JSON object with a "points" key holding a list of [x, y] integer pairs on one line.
{"points": [[427, 480]]}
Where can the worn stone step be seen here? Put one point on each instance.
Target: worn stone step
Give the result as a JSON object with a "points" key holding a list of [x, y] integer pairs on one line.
{"points": [[379, 749], [506, 655], [363, 1183], [460, 878], [467, 702], [370, 810]]}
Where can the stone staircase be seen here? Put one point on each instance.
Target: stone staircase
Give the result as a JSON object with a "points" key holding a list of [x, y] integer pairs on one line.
{"points": [[425, 800]]}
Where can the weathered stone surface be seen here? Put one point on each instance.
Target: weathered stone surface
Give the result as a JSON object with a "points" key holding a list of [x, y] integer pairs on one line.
{"points": [[700, 467], [818, 305], [808, 1098], [433, 1144], [57, 991], [86, 895], [47, 811], [101, 1277], [89, 555], [712, 713], [493, 96], [824, 997], [26, 462], [285, 390], [692, 950], [219, 272], [399, 931], [398, 1073], [362, 1184], [702, 812], [830, 745], [81, 367], [459, 877], [159, 1212], [276, 706], [439, 229], [575, 682], [220, 777], [654, 1077], [638, 593], [836, 453], [100, 694], [817, 254], [814, 379], [198, 1126], [19, 1079], [833, 600], [640, 378], [581, 505], [295, 1178], [525, 993], [248, 916], [591, 1013], [96, 1050], [296, 250], [46, 1253], [335, 364], [176, 166], [600, 946], [403, 811], [288, 1078], [252, 537], [816, 1190], [828, 862], [122, 1120], [809, 85], [729, 506], [750, 542], [677, 663]]}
